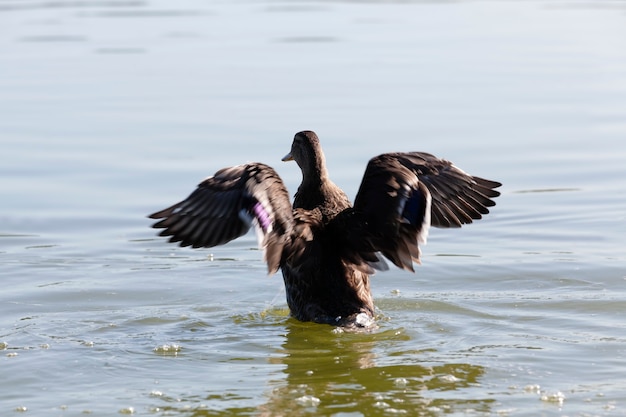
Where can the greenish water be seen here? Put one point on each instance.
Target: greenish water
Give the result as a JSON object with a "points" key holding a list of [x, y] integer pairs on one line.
{"points": [[112, 110]]}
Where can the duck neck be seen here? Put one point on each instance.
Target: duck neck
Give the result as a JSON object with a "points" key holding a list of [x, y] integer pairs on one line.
{"points": [[315, 174]]}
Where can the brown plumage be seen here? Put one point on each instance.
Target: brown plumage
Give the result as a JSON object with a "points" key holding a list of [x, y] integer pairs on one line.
{"points": [[325, 247]]}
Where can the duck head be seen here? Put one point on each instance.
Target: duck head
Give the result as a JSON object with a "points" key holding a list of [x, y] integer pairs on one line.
{"points": [[307, 152]]}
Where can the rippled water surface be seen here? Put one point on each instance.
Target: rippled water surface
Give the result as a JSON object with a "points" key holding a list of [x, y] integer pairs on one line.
{"points": [[110, 110]]}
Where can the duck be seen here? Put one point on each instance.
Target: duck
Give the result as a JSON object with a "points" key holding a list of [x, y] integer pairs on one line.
{"points": [[326, 247]]}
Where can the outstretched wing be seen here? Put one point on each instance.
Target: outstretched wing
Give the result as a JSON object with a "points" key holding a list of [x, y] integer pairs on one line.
{"points": [[458, 198], [224, 206], [402, 194]]}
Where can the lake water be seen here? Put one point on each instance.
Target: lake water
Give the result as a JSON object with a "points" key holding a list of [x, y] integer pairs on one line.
{"points": [[111, 110]]}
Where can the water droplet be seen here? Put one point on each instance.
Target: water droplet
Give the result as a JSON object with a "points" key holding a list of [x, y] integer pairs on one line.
{"points": [[534, 388], [363, 320], [556, 398], [448, 378], [391, 410], [308, 401], [166, 349], [400, 382], [381, 404]]}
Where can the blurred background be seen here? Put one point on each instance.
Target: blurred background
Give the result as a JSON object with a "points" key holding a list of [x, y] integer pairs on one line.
{"points": [[111, 110]]}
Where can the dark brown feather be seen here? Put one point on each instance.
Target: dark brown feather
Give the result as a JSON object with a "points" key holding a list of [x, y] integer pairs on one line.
{"points": [[222, 209], [325, 247]]}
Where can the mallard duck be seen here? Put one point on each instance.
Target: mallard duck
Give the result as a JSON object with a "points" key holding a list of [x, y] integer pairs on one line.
{"points": [[326, 247]]}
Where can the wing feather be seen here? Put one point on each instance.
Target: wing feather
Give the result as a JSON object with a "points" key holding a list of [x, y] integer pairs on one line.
{"points": [[225, 206], [457, 197], [402, 195]]}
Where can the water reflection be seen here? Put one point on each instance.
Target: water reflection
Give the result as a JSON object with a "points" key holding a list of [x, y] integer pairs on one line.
{"points": [[343, 373], [320, 372]]}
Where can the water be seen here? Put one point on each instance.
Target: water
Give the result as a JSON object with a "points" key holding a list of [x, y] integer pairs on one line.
{"points": [[112, 110]]}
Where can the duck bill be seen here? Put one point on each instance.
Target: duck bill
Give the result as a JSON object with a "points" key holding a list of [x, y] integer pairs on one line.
{"points": [[287, 157]]}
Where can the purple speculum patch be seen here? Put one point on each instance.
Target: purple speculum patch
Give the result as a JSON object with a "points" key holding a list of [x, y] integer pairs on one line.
{"points": [[262, 216]]}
